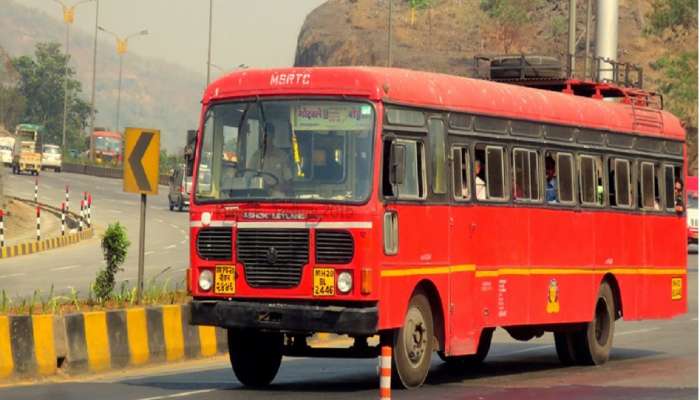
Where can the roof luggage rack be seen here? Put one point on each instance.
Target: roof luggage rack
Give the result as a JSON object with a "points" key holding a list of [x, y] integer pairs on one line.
{"points": [[601, 77]]}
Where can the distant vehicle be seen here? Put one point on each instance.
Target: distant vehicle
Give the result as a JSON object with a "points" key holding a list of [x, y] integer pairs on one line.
{"points": [[25, 153], [692, 209], [51, 157], [180, 187], [6, 145], [106, 147]]}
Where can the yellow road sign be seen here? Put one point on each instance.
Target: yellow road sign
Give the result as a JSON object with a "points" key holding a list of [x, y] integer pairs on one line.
{"points": [[141, 160]]}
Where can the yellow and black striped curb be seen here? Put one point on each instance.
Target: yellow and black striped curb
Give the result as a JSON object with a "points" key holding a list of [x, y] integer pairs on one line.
{"points": [[37, 345], [22, 249]]}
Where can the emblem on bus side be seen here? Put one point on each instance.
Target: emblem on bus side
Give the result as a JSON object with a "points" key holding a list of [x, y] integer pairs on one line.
{"points": [[553, 297]]}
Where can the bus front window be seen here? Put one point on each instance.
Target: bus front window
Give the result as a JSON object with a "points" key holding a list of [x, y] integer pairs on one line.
{"points": [[286, 150]]}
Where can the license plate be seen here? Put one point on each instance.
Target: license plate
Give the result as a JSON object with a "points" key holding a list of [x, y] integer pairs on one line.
{"points": [[225, 279], [324, 282], [676, 288]]}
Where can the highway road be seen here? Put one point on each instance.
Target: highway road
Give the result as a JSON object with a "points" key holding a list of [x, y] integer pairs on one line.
{"points": [[650, 360], [76, 266]]}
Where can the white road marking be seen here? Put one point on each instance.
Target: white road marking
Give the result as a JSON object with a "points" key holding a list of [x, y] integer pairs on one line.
{"points": [[172, 246], [12, 275], [115, 211], [182, 270], [176, 395], [160, 221], [536, 348], [66, 268], [637, 331], [174, 226], [694, 319], [182, 231], [148, 253], [183, 241]]}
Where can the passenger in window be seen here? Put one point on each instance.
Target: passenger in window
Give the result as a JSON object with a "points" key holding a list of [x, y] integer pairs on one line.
{"points": [[551, 178], [479, 180], [678, 196]]}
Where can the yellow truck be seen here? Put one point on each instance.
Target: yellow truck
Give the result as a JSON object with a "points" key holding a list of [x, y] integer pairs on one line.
{"points": [[25, 158]]}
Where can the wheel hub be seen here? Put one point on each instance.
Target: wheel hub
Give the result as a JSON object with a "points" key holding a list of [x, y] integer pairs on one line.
{"points": [[416, 340]]}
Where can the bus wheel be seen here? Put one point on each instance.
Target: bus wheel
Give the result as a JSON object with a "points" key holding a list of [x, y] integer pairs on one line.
{"points": [[593, 343], [255, 356], [565, 345], [460, 362], [413, 344]]}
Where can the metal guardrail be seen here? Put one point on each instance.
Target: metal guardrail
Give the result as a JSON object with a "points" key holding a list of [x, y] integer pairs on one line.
{"points": [[104, 172]]}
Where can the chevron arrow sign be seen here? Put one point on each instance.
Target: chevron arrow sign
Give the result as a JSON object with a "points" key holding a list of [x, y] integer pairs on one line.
{"points": [[141, 160]]}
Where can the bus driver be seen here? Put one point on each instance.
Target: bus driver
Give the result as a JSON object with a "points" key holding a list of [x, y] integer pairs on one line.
{"points": [[275, 160]]}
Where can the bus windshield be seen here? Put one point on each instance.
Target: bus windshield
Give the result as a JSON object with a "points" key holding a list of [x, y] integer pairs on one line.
{"points": [[313, 150]]}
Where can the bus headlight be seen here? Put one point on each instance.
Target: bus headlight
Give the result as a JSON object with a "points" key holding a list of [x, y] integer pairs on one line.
{"points": [[344, 282], [206, 280]]}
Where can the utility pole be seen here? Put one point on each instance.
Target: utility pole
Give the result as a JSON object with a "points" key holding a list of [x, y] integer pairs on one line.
{"points": [[587, 66], [572, 38], [389, 63], [94, 69], [211, 6], [65, 87]]}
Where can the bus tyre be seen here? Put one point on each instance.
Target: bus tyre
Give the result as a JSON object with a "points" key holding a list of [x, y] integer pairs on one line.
{"points": [[472, 360], [413, 345], [565, 345], [255, 356], [593, 344]]}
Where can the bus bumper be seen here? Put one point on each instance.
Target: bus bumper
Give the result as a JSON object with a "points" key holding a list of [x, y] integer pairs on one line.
{"points": [[286, 317]]}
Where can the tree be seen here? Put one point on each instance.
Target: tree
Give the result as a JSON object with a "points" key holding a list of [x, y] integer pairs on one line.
{"points": [[41, 84], [114, 248], [12, 106], [679, 84]]}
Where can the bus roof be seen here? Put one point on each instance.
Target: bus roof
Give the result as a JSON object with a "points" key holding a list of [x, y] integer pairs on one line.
{"points": [[433, 90], [108, 134]]}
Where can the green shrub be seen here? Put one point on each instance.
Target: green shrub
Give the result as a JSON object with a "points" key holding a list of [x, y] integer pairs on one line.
{"points": [[114, 249]]}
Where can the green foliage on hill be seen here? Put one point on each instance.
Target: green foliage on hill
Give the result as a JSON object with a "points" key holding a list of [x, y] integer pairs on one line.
{"points": [[12, 106], [679, 83], [42, 79], [672, 14]]}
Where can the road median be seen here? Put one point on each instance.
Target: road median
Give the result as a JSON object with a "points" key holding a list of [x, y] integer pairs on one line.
{"points": [[74, 235], [33, 346]]}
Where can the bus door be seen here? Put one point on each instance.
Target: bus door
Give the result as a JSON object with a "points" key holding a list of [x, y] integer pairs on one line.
{"points": [[463, 338]]}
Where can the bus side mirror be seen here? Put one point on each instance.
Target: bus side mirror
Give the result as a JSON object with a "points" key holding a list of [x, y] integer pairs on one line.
{"points": [[397, 164]]}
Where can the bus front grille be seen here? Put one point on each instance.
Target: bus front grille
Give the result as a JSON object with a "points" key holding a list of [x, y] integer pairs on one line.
{"points": [[334, 247], [273, 258], [214, 243]]}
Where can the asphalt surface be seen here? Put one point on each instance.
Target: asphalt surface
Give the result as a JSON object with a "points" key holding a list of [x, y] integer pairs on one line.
{"points": [[166, 249], [650, 360]]}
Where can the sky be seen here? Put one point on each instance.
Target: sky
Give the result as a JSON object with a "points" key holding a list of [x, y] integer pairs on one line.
{"points": [[257, 33]]}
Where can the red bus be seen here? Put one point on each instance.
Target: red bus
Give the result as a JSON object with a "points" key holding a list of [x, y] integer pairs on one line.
{"points": [[429, 210], [106, 147]]}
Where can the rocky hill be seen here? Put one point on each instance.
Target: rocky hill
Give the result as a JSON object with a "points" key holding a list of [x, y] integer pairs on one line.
{"points": [[155, 94], [445, 35]]}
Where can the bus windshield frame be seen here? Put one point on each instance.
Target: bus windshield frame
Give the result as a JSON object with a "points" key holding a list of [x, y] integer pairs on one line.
{"points": [[286, 150]]}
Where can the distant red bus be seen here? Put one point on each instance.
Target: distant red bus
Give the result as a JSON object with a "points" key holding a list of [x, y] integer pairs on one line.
{"points": [[106, 147], [429, 209]]}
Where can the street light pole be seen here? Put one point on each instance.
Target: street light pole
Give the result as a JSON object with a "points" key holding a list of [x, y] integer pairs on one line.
{"points": [[211, 6], [68, 18], [122, 46], [119, 90], [94, 69], [65, 88]]}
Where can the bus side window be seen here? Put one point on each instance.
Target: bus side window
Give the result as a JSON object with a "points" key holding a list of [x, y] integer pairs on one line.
{"points": [[526, 175], [413, 186], [461, 172], [620, 183], [495, 173], [591, 180], [437, 148], [565, 177], [647, 183]]}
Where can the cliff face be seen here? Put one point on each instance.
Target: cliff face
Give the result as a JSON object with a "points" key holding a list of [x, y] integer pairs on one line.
{"points": [[8, 75], [446, 35]]}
